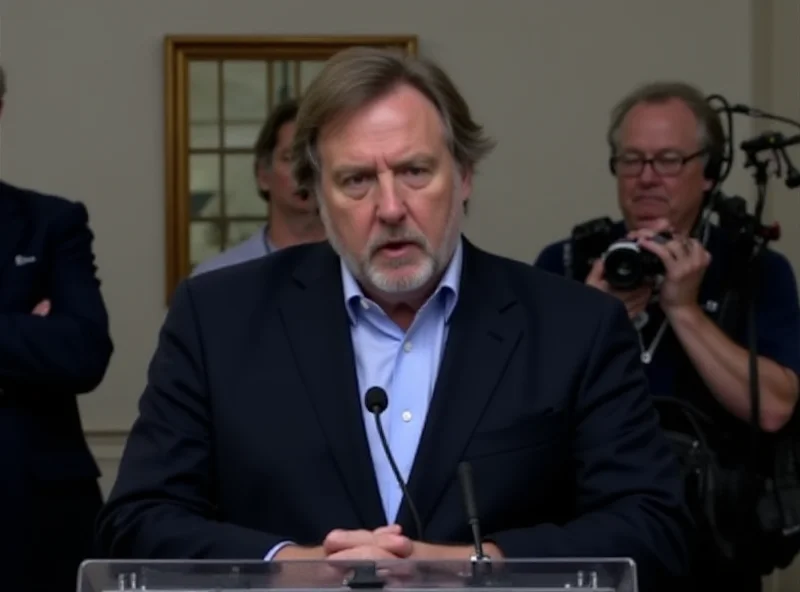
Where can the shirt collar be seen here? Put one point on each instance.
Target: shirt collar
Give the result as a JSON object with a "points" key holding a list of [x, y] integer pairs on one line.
{"points": [[447, 289], [269, 248]]}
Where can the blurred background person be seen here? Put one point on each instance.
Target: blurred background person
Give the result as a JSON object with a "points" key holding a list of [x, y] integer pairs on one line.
{"points": [[293, 216]]}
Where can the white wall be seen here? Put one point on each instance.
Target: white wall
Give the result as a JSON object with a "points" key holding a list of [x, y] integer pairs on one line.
{"points": [[84, 115]]}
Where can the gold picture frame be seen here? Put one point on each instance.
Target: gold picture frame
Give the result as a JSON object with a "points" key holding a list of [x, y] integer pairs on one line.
{"points": [[199, 130]]}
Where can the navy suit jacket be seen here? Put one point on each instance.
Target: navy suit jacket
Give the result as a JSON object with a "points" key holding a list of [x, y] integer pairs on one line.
{"points": [[250, 429], [46, 253]]}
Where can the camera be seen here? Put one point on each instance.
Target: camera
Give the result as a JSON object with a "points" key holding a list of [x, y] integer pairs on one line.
{"points": [[588, 242], [627, 265]]}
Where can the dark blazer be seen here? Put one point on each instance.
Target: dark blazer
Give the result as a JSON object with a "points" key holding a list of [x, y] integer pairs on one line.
{"points": [[250, 429], [49, 482]]}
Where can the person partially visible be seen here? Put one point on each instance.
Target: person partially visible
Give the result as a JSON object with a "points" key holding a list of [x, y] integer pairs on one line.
{"points": [[54, 345], [293, 216], [255, 437], [667, 147]]}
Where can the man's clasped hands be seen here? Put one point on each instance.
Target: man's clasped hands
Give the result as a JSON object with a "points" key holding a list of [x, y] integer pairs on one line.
{"points": [[384, 543]]}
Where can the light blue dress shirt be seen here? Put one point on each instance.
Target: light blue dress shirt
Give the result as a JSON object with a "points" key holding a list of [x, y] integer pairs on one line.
{"points": [[254, 247], [405, 364]]}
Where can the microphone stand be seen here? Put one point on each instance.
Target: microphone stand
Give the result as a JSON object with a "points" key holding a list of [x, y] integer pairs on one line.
{"points": [[365, 577], [480, 563], [758, 238]]}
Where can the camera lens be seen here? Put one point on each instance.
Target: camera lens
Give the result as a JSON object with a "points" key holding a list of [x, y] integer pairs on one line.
{"points": [[623, 265]]}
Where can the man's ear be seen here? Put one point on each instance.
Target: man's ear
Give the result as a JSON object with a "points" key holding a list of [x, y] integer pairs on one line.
{"points": [[466, 185]]}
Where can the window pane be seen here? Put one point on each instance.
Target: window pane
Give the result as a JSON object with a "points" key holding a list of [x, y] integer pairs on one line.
{"points": [[204, 135], [283, 82], [204, 241], [204, 186], [241, 231], [203, 92], [242, 135], [245, 90], [241, 192], [309, 71]]}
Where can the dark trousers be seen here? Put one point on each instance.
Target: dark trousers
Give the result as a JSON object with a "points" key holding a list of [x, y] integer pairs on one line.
{"points": [[48, 533]]}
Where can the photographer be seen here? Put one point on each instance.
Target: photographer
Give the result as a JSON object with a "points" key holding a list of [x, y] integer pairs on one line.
{"points": [[666, 153]]}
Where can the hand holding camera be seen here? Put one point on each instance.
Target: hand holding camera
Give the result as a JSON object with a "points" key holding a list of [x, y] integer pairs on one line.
{"points": [[635, 261], [685, 261]]}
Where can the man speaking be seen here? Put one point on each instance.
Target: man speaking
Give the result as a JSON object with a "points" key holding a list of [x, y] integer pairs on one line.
{"points": [[254, 441]]}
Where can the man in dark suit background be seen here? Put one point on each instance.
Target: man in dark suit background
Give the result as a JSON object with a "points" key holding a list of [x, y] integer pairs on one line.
{"points": [[253, 441], [54, 345]]}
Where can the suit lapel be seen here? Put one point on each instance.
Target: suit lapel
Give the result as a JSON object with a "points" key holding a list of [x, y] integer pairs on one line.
{"points": [[317, 324], [12, 224], [484, 331]]}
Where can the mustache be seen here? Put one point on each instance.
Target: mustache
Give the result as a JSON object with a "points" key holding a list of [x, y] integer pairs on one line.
{"points": [[648, 196], [404, 235]]}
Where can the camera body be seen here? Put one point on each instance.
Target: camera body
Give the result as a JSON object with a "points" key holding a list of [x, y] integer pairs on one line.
{"points": [[627, 265], [588, 243]]}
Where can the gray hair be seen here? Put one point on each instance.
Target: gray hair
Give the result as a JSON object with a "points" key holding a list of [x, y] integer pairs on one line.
{"points": [[358, 75], [710, 132], [2, 83]]}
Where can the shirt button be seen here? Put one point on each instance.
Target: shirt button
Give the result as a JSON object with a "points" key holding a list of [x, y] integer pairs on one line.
{"points": [[364, 304], [407, 346], [406, 416]]}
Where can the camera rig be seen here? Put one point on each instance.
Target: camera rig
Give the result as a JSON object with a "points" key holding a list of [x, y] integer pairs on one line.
{"points": [[750, 235], [766, 154]]}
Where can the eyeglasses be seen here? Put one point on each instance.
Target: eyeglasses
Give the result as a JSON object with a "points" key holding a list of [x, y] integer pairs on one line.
{"points": [[666, 164]]}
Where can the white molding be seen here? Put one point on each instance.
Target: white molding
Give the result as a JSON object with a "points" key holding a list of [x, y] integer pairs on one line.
{"points": [[107, 448], [107, 445]]}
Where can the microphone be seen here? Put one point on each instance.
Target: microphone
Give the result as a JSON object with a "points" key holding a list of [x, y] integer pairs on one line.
{"points": [[376, 401], [468, 491], [747, 110], [769, 141]]}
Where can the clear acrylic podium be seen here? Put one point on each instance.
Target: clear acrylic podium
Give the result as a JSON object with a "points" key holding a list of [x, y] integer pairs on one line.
{"points": [[545, 575]]}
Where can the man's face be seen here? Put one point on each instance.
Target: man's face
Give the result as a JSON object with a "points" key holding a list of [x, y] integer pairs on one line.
{"points": [[391, 194], [667, 131], [278, 178]]}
